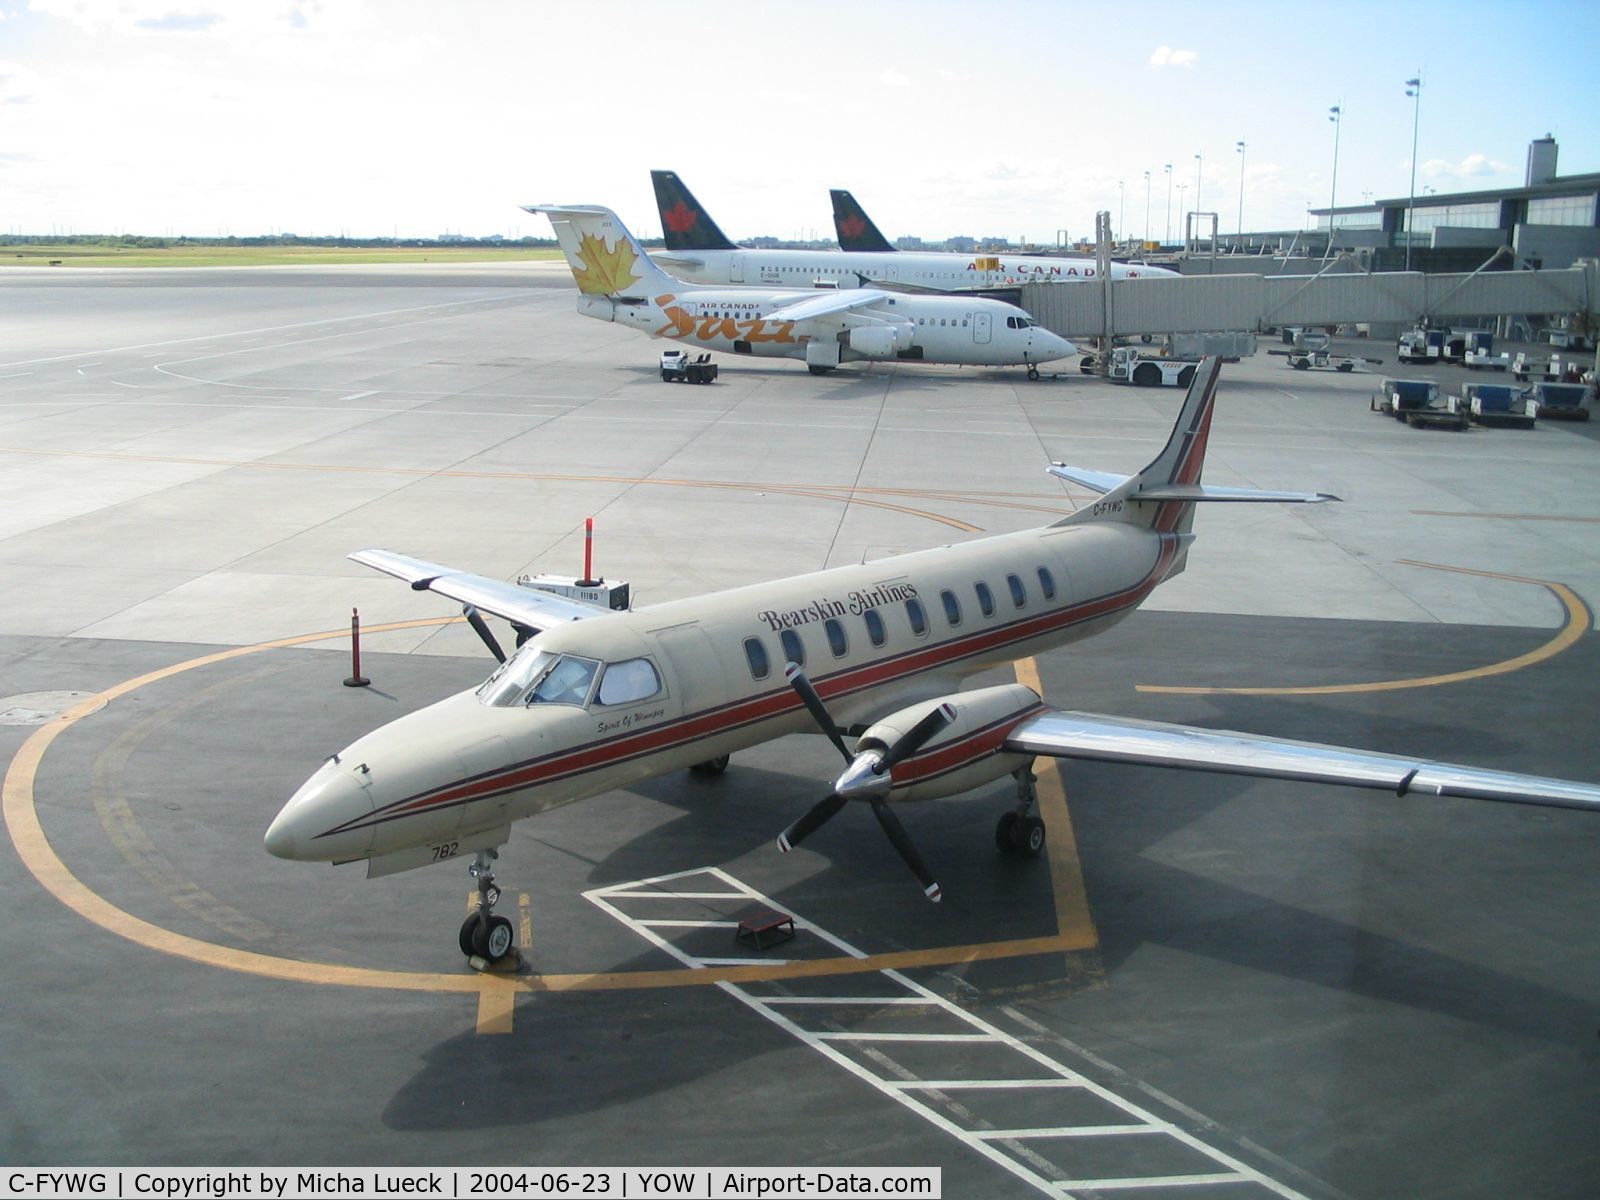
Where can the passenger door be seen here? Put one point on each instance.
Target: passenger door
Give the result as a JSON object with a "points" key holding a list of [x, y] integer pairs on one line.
{"points": [[980, 328]]}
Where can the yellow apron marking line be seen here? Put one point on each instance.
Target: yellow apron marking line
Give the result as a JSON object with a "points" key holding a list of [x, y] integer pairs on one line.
{"points": [[496, 994], [1578, 623]]}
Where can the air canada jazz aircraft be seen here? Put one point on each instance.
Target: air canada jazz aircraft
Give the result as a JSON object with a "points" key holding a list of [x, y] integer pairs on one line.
{"points": [[696, 249], [596, 700], [618, 282]]}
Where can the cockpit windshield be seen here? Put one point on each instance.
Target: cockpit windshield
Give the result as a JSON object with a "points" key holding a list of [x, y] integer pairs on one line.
{"points": [[534, 676]]}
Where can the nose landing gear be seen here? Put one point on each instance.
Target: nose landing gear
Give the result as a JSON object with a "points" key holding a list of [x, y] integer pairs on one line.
{"points": [[484, 935]]}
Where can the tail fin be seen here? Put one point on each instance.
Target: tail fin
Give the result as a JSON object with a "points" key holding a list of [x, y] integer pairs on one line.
{"points": [[1163, 495], [684, 222], [855, 229], [605, 258]]}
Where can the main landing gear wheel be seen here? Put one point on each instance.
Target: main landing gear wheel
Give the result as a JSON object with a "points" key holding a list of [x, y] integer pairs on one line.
{"points": [[817, 370], [1019, 831], [484, 935], [712, 766]]}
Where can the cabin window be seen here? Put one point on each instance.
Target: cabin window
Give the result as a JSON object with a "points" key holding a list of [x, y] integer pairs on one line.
{"points": [[793, 649], [629, 682], [1019, 595], [755, 654], [985, 598], [952, 607], [1047, 583], [875, 627], [918, 616], [837, 642]]}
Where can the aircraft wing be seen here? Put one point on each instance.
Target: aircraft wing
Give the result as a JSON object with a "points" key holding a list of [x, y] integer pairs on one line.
{"points": [[519, 605], [828, 304], [1058, 734]]}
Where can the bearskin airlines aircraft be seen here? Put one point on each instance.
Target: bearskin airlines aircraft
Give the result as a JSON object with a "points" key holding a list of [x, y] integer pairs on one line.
{"points": [[697, 249], [596, 700], [619, 282]]}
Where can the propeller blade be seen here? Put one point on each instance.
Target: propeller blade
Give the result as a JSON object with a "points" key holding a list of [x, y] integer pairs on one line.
{"points": [[814, 818], [819, 712], [902, 843], [481, 628], [917, 737]]}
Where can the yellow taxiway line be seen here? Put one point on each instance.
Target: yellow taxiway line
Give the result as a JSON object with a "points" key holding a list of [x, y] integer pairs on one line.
{"points": [[1578, 623]]}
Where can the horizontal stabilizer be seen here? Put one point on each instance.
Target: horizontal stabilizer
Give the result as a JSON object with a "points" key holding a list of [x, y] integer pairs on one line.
{"points": [[1158, 744], [1095, 481], [1104, 481], [519, 605]]}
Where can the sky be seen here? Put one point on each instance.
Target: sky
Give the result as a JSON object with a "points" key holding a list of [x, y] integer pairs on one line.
{"points": [[1013, 118]]}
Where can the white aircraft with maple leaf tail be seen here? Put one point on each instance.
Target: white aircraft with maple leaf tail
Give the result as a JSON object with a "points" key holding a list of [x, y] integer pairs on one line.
{"points": [[618, 282], [596, 700]]}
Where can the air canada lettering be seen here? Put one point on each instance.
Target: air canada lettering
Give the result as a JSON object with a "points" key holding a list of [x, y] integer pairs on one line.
{"points": [[1037, 270], [855, 603]]}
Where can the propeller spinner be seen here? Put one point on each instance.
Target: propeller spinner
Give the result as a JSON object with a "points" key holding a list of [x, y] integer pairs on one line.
{"points": [[867, 777]]}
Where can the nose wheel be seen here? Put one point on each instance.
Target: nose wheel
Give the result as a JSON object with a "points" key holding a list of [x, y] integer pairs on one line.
{"points": [[1033, 372], [484, 935]]}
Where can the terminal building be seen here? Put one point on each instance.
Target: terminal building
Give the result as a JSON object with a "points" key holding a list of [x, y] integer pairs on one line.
{"points": [[1550, 222]]}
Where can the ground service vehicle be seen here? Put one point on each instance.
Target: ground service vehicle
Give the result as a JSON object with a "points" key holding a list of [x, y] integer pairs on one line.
{"points": [[678, 367], [1412, 401], [1500, 404], [1129, 366], [1562, 401]]}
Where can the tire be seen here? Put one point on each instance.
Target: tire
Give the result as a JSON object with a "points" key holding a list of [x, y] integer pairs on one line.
{"points": [[1005, 832], [1185, 377], [1346, 367], [1086, 364], [469, 930], [1300, 364], [816, 370], [1028, 837], [1033, 373], [493, 939], [712, 766], [1147, 375]]}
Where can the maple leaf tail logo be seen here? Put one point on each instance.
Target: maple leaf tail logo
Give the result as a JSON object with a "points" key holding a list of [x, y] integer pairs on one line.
{"points": [[605, 272], [852, 226], [680, 218]]}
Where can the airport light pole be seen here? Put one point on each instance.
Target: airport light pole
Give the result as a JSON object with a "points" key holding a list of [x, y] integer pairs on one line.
{"points": [[1239, 146], [1122, 206], [1146, 207], [1167, 240], [1198, 163], [1182, 188], [1414, 90], [1334, 113]]}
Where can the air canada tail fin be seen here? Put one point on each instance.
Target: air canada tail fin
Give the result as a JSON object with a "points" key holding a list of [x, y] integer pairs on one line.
{"points": [[855, 229], [684, 223], [606, 259], [1163, 495]]}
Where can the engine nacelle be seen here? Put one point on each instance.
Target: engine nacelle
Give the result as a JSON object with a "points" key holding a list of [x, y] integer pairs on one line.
{"points": [[879, 341], [969, 752]]}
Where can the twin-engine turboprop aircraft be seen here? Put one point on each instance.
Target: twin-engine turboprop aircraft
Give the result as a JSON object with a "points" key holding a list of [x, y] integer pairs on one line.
{"points": [[596, 700], [618, 282], [697, 250]]}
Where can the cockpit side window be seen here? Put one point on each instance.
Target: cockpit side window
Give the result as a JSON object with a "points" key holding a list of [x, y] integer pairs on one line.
{"points": [[515, 676], [567, 682], [629, 682]]}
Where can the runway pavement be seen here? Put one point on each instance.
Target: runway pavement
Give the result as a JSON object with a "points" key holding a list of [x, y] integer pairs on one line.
{"points": [[1325, 992]]}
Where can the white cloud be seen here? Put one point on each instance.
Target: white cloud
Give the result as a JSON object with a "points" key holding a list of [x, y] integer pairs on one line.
{"points": [[893, 78], [1473, 166], [1166, 56]]}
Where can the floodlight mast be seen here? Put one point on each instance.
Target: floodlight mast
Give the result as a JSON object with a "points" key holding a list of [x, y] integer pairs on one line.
{"points": [[1414, 90]]}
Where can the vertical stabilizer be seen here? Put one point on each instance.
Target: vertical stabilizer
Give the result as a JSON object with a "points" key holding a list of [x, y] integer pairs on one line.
{"points": [[684, 223], [854, 228], [606, 259]]}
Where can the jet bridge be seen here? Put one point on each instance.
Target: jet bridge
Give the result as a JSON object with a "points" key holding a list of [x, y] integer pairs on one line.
{"points": [[1192, 304]]}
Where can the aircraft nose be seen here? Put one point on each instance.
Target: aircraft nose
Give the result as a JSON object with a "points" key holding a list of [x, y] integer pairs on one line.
{"points": [[315, 825], [1046, 346]]}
